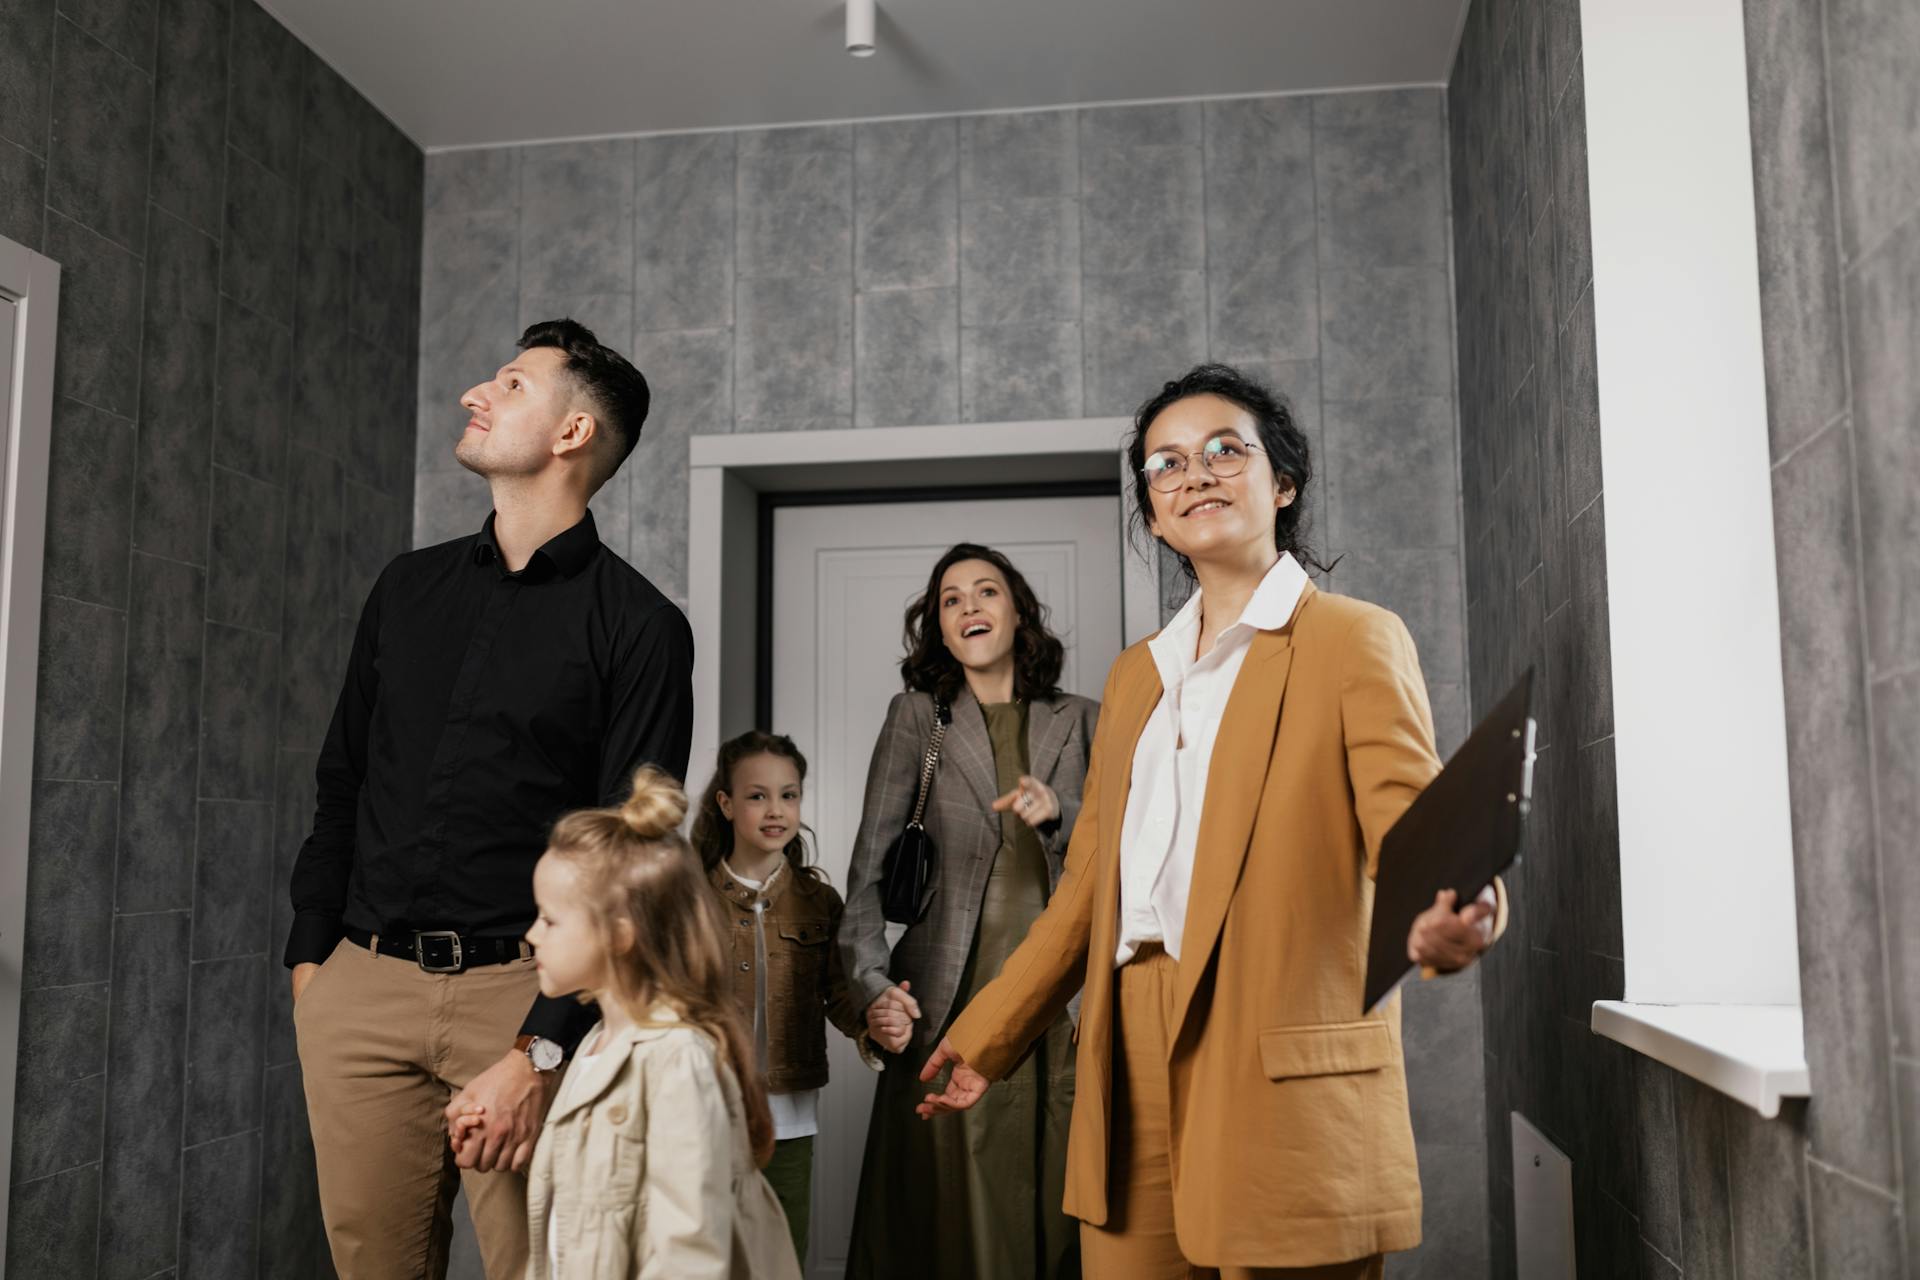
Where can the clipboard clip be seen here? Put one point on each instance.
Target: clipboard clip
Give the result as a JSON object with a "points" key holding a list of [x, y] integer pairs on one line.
{"points": [[1524, 797]]}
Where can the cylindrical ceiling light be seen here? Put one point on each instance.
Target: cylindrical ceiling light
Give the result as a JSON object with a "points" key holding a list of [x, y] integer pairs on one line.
{"points": [[860, 28]]}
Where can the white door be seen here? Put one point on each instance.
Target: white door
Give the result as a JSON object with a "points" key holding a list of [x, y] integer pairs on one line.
{"points": [[843, 577]]}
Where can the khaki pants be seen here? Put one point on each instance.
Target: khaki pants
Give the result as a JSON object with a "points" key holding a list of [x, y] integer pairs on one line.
{"points": [[1138, 1242], [383, 1049]]}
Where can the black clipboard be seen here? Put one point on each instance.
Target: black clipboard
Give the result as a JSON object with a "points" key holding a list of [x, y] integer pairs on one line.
{"points": [[1461, 832]]}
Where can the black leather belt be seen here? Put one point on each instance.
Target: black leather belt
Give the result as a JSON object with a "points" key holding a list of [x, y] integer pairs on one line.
{"points": [[442, 950]]}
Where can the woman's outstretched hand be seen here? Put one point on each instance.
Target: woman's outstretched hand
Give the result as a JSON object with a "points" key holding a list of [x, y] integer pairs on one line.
{"points": [[1033, 802], [964, 1087], [1446, 940], [890, 1018]]}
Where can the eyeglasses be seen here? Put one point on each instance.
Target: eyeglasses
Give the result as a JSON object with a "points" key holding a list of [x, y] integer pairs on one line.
{"points": [[1222, 456]]}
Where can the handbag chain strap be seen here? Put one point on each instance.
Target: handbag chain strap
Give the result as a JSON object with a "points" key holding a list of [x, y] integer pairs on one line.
{"points": [[933, 756]]}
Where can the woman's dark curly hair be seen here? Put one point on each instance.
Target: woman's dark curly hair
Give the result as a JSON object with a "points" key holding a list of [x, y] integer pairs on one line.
{"points": [[1037, 653], [1281, 439], [713, 833]]}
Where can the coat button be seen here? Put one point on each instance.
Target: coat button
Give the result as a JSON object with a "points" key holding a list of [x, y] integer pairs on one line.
{"points": [[617, 1114]]}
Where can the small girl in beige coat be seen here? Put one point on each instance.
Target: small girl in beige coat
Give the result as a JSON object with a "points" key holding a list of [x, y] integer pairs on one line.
{"points": [[649, 1163]]}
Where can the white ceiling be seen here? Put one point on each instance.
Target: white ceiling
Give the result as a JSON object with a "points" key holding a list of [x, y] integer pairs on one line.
{"points": [[456, 73]]}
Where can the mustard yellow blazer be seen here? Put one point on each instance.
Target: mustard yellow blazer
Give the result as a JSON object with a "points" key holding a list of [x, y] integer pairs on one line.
{"points": [[1291, 1141]]}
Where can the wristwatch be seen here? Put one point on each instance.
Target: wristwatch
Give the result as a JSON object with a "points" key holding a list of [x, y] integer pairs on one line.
{"points": [[543, 1053]]}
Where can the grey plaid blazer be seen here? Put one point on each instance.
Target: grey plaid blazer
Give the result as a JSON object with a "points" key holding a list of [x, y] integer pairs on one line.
{"points": [[965, 831]]}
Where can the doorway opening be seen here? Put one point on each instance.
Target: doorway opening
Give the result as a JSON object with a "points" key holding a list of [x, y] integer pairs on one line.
{"points": [[804, 551]]}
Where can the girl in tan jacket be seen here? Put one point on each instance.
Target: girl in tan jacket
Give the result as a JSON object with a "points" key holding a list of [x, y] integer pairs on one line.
{"points": [[649, 1163]]}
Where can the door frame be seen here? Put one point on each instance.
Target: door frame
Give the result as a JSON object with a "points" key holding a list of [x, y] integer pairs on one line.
{"points": [[771, 503], [32, 284], [731, 479]]}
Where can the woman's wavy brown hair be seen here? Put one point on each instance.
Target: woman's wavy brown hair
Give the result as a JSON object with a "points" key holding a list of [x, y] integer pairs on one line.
{"points": [[633, 865], [713, 833], [930, 666]]}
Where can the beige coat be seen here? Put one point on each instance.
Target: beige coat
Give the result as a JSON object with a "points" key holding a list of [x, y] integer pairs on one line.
{"points": [[1291, 1143], [644, 1169]]}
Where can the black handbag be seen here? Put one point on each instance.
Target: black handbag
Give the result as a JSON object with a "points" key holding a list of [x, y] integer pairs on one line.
{"points": [[907, 869]]}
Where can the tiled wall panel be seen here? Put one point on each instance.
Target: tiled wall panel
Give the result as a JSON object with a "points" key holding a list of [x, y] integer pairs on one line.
{"points": [[229, 218], [1018, 267], [1672, 1178]]}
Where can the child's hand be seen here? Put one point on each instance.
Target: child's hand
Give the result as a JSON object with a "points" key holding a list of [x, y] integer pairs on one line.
{"points": [[464, 1125], [891, 1016]]}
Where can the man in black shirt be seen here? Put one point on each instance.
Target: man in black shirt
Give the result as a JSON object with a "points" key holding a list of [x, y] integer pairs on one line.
{"points": [[495, 682]]}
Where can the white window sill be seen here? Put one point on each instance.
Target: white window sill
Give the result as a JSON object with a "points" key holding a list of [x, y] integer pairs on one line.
{"points": [[1753, 1053]]}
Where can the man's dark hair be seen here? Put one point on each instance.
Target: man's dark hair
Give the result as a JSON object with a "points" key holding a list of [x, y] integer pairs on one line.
{"points": [[615, 389]]}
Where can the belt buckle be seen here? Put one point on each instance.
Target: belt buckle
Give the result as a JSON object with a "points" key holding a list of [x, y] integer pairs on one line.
{"points": [[420, 941]]}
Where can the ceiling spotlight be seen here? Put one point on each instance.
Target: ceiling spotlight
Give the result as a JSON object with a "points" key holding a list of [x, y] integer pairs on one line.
{"points": [[860, 28]]}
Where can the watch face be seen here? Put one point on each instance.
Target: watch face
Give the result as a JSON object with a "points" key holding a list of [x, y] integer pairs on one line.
{"points": [[545, 1054]]}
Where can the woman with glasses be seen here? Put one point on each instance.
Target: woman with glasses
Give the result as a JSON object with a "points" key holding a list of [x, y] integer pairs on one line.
{"points": [[1236, 1113], [981, 1199]]}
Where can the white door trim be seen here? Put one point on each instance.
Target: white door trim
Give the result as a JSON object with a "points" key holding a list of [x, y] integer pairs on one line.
{"points": [[32, 284], [727, 473]]}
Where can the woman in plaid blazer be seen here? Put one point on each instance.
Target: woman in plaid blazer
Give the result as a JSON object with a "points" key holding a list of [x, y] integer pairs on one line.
{"points": [[1000, 809]]}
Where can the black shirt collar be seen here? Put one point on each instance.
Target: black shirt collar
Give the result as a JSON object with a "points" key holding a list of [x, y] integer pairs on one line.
{"points": [[565, 554]]}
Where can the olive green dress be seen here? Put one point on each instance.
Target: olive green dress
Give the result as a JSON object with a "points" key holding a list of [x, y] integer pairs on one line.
{"points": [[977, 1195]]}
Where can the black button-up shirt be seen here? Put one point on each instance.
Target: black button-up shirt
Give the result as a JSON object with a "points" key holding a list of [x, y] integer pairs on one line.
{"points": [[479, 706]]}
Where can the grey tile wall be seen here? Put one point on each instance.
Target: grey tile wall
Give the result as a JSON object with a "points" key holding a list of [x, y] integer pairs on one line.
{"points": [[1018, 267], [1671, 1177], [229, 217]]}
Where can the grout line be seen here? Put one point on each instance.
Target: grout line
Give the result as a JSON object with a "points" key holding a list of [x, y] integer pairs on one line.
{"points": [[733, 289], [72, 1168], [1080, 263], [1453, 383], [1320, 346], [1206, 241], [115, 414], [1803, 446], [1887, 676], [844, 121], [1863, 1184], [69, 986], [1893, 232], [853, 275], [225, 1137]]}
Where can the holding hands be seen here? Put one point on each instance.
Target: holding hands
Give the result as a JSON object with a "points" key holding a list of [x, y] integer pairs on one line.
{"points": [[494, 1122], [891, 1016], [1033, 802]]}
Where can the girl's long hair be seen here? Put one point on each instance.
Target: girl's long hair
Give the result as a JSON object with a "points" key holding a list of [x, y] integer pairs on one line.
{"points": [[633, 865], [713, 833]]}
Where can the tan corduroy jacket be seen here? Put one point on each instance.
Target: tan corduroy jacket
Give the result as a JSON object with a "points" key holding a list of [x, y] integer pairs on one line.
{"points": [[645, 1170], [1291, 1142]]}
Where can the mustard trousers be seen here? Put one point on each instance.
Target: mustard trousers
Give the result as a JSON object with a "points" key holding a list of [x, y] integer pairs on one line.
{"points": [[1138, 1241]]}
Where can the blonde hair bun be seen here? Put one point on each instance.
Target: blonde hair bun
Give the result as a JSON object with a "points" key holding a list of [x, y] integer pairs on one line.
{"points": [[657, 806]]}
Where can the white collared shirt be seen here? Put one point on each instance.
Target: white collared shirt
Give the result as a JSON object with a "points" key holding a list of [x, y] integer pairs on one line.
{"points": [[1175, 754]]}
